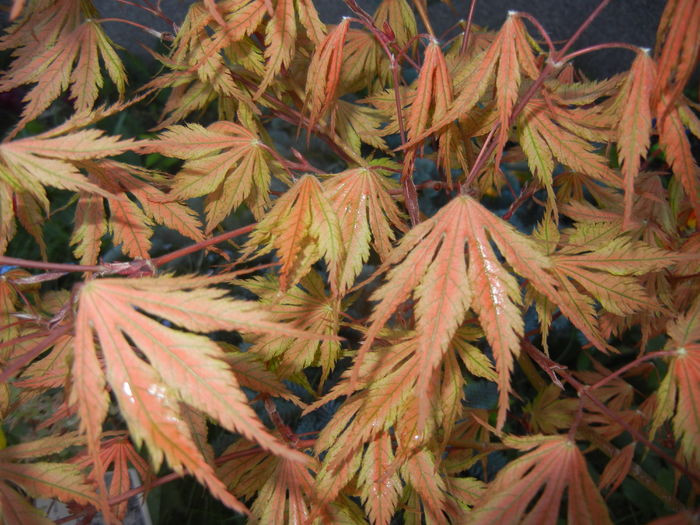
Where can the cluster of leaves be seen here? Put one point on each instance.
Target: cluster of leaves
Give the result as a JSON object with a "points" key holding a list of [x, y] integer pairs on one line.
{"points": [[364, 297]]}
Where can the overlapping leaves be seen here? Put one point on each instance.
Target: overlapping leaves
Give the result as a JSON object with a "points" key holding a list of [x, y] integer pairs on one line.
{"points": [[179, 367]]}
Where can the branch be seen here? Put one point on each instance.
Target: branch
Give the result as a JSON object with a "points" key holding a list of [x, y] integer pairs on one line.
{"points": [[549, 365]]}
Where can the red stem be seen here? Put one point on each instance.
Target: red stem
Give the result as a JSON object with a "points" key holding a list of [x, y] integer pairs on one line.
{"points": [[58, 267], [468, 29], [551, 65], [598, 47], [629, 366], [584, 390], [164, 259], [14, 366]]}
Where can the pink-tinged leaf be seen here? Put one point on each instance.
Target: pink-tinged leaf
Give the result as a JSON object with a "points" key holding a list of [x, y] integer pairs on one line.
{"points": [[62, 481], [530, 490], [365, 211], [635, 123], [303, 227], [181, 366], [323, 75], [16, 510], [36, 161], [286, 495], [307, 307], [224, 161], [90, 227], [422, 474], [280, 35], [7, 216], [308, 16], [617, 469], [677, 49], [379, 495], [674, 141], [52, 67]]}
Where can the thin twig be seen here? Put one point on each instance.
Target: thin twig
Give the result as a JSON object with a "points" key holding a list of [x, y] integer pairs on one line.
{"points": [[467, 29]]}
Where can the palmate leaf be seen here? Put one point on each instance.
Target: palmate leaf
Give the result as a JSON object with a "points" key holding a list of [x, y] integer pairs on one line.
{"points": [[430, 264], [280, 36], [506, 58], [635, 123], [224, 161], [677, 50], [544, 138], [303, 227], [679, 392], [323, 76], [39, 479], [28, 164], [530, 489], [380, 493], [304, 307], [63, 51], [365, 211], [130, 224], [286, 496], [181, 367], [674, 140], [50, 159], [119, 453]]}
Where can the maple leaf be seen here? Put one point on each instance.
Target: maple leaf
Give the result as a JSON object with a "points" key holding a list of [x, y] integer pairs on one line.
{"points": [[544, 138], [365, 211], [280, 36], [398, 15], [29, 164], [430, 264], [506, 58], [674, 140], [379, 492], [323, 75], [303, 227], [356, 124], [119, 453], [305, 307], [365, 64], [554, 465], [61, 55], [130, 224], [286, 495], [635, 123], [677, 49], [225, 161], [39, 479], [421, 472], [678, 395], [181, 367]]}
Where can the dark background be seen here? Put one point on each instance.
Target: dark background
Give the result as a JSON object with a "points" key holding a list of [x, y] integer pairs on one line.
{"points": [[632, 21]]}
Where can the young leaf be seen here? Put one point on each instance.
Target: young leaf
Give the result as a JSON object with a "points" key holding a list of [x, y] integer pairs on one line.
{"points": [[305, 307], [303, 227], [181, 366], [365, 211], [323, 75], [531, 488], [679, 397], [131, 225], [379, 495], [430, 263], [52, 67], [225, 161], [280, 36], [635, 123], [39, 479]]}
